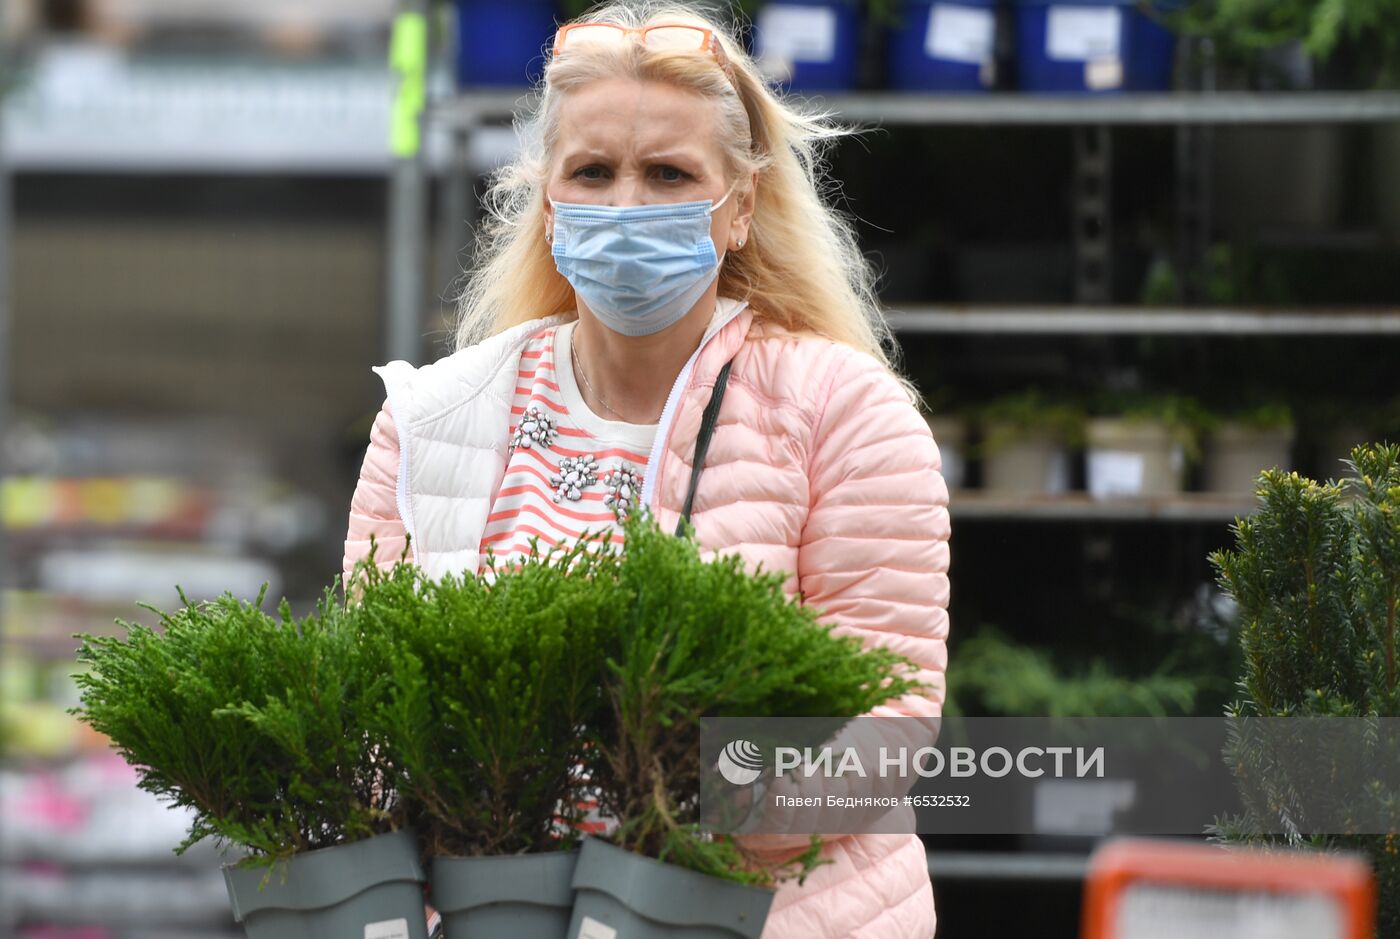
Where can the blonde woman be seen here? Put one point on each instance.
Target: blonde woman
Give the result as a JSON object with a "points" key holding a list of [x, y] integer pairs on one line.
{"points": [[660, 249]]}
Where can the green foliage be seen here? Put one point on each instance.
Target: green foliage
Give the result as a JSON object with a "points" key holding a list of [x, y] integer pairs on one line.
{"points": [[1009, 418], [709, 639], [998, 676], [1243, 29], [493, 678], [1316, 574], [255, 723]]}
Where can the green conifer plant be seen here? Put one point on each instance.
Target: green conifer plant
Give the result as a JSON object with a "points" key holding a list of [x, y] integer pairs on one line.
{"points": [[257, 723], [706, 638], [494, 679], [1316, 574]]}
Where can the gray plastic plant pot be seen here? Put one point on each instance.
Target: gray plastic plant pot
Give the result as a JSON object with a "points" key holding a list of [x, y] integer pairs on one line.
{"points": [[524, 896], [621, 895], [371, 889]]}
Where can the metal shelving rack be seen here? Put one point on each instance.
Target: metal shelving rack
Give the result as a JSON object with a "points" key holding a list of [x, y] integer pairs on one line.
{"points": [[468, 113], [1192, 115]]}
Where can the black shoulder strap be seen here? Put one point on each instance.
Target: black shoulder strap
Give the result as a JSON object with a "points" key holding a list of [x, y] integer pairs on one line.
{"points": [[702, 443]]}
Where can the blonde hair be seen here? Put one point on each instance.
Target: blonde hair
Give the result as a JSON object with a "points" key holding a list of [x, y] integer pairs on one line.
{"points": [[801, 268]]}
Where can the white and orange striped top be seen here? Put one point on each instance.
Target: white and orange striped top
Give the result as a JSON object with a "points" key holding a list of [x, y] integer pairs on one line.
{"points": [[569, 470]]}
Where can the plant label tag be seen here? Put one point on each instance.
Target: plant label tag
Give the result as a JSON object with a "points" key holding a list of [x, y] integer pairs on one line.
{"points": [[1081, 806], [1114, 473], [1100, 74], [592, 929], [797, 33], [960, 34], [388, 929], [1077, 34]]}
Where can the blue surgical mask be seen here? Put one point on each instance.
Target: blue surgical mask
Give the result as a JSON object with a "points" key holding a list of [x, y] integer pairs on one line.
{"points": [[640, 268]]}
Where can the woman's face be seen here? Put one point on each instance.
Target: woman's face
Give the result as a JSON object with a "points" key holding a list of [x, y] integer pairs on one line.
{"points": [[625, 142]]}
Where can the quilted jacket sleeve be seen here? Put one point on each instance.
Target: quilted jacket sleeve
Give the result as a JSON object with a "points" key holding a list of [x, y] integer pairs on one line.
{"points": [[874, 560], [874, 555], [374, 506]]}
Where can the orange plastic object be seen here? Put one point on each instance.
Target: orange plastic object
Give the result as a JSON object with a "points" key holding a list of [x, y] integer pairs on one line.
{"points": [[1345, 881]]}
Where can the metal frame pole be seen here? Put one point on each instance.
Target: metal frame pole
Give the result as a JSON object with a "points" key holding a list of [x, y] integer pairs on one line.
{"points": [[6, 300], [408, 185]]}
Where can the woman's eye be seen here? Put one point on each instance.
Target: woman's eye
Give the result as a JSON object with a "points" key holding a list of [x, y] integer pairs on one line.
{"points": [[589, 172], [671, 174]]}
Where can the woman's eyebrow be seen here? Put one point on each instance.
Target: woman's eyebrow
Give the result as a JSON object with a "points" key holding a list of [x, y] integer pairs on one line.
{"points": [[585, 154], [673, 156]]}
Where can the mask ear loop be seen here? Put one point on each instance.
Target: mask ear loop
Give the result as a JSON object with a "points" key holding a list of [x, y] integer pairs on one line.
{"points": [[724, 198]]}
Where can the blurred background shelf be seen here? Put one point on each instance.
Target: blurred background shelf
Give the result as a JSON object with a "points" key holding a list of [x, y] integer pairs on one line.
{"points": [[468, 108], [1136, 320], [988, 865], [1202, 507]]}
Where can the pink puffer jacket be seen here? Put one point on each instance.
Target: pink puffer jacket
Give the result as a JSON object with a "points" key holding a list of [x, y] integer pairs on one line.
{"points": [[821, 467]]}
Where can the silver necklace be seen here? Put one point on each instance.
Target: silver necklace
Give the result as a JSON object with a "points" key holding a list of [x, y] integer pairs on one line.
{"points": [[573, 351]]}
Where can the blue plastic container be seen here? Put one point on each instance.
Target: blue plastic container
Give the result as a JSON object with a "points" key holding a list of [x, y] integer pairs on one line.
{"points": [[1095, 46], [503, 43], [944, 46], [808, 46]]}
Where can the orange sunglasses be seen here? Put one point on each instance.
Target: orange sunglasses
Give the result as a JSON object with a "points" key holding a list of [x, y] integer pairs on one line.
{"points": [[657, 36]]}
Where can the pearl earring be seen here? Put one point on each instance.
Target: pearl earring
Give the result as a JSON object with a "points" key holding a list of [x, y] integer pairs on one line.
{"points": [[741, 242]]}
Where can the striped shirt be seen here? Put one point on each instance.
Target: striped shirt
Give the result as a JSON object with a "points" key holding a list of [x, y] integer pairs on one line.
{"points": [[569, 470]]}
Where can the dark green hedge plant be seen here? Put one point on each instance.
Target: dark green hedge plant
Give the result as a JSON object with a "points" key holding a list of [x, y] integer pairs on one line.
{"points": [[1316, 574], [706, 638], [494, 680], [254, 722]]}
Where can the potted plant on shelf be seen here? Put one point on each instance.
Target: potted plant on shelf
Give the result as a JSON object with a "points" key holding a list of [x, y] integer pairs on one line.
{"points": [[1141, 445], [1239, 446], [950, 433], [1283, 42], [256, 723], [494, 678], [1316, 573], [701, 639], [1025, 442]]}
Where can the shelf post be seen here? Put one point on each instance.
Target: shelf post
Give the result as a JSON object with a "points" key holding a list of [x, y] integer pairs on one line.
{"points": [[408, 183], [1194, 194], [456, 209], [1093, 176], [6, 314]]}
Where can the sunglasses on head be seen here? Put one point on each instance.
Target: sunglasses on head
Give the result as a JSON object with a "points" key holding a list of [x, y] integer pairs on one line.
{"points": [[672, 36]]}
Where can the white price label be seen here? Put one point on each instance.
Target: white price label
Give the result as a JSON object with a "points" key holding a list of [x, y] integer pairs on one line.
{"points": [[1102, 74], [1081, 806], [388, 929], [1076, 34], [797, 33], [1115, 473], [592, 929], [960, 34], [1168, 911]]}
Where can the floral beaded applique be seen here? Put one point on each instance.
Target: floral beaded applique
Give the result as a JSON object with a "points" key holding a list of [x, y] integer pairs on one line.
{"points": [[623, 485], [535, 427], [575, 473]]}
